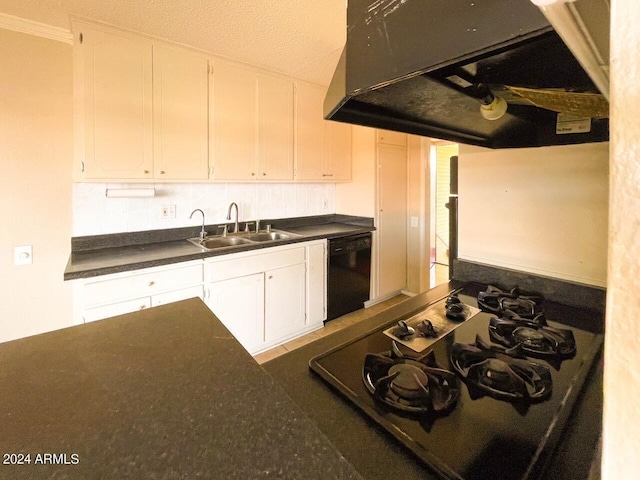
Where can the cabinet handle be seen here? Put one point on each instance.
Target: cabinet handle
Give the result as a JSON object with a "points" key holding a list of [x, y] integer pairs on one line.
{"points": [[253, 174], [142, 307], [264, 174], [327, 174], [270, 277], [146, 171], [152, 283], [161, 172]]}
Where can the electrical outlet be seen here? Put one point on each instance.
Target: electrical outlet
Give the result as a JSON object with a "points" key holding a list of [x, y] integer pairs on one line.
{"points": [[168, 211], [414, 222], [325, 204]]}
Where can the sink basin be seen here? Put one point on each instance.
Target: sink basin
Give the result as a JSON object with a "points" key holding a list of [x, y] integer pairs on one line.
{"points": [[268, 236], [212, 243], [242, 238]]}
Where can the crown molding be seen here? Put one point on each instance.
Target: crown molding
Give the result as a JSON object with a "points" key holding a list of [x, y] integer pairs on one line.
{"points": [[31, 27]]}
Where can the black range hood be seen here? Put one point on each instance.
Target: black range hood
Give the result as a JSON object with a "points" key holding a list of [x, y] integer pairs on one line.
{"points": [[426, 66]]}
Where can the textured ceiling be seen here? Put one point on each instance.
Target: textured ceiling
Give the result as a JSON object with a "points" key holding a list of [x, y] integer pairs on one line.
{"points": [[301, 38]]}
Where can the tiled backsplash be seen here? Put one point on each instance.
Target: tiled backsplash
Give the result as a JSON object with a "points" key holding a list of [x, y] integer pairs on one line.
{"points": [[94, 214]]}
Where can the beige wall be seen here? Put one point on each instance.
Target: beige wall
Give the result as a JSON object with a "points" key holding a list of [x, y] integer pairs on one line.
{"points": [[36, 159], [540, 210], [622, 355]]}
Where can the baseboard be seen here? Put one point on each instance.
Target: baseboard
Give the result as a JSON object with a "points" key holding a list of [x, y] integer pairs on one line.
{"points": [[371, 303]]}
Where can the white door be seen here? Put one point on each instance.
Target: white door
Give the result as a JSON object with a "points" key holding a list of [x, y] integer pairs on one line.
{"points": [[180, 114], [392, 219], [233, 122], [239, 304], [275, 128], [310, 132], [337, 151], [116, 81], [284, 301]]}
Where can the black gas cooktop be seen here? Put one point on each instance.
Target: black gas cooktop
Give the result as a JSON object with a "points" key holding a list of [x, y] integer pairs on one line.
{"points": [[484, 399]]}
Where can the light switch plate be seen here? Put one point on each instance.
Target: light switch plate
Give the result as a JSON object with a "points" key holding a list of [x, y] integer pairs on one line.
{"points": [[414, 222], [23, 255]]}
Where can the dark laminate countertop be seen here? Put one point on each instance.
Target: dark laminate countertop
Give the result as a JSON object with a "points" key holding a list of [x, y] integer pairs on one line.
{"points": [[105, 254], [165, 393], [378, 456]]}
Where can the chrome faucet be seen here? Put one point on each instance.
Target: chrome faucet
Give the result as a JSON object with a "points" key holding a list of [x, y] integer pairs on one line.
{"points": [[235, 225], [203, 234]]}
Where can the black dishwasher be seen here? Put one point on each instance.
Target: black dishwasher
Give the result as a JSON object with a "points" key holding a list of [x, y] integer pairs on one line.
{"points": [[349, 274]]}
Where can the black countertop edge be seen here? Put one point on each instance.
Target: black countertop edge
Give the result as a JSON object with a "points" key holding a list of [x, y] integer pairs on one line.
{"points": [[136, 256], [569, 293], [125, 239]]}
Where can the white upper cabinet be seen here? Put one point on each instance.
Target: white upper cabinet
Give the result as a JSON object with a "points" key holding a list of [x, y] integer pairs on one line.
{"points": [[275, 128], [180, 114], [144, 108], [338, 151], [115, 93], [252, 127], [323, 148], [151, 111], [309, 132]]}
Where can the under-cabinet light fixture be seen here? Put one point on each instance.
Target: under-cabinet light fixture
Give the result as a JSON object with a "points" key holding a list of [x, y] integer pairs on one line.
{"points": [[130, 192]]}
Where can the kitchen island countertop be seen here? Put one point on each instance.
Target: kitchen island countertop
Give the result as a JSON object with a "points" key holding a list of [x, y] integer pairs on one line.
{"points": [[163, 393]]}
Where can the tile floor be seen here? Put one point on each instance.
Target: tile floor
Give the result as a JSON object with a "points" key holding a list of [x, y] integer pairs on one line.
{"points": [[439, 274]]}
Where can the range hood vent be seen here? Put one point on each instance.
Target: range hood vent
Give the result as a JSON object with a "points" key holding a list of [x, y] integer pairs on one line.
{"points": [[447, 70]]}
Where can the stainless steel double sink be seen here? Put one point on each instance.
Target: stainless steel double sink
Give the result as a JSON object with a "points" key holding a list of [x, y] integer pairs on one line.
{"points": [[241, 238]]}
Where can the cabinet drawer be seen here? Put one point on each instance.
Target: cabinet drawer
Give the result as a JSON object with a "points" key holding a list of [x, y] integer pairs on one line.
{"points": [[120, 308], [143, 284], [248, 264], [177, 295]]}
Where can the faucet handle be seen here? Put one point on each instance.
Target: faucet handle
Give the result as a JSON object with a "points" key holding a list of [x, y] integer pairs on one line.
{"points": [[246, 226], [225, 229]]}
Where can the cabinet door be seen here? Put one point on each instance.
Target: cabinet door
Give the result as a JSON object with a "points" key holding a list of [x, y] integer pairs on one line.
{"points": [[389, 137], [239, 304], [284, 301], [316, 283], [310, 131], [117, 106], [233, 122], [180, 114], [275, 128], [338, 151]]}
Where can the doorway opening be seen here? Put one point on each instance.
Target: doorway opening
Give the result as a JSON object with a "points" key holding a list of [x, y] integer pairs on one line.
{"points": [[441, 153]]}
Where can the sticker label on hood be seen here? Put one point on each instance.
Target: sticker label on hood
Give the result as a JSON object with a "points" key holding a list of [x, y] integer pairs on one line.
{"points": [[571, 124]]}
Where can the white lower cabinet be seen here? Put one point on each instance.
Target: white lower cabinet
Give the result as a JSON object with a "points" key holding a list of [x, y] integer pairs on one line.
{"points": [[284, 302], [240, 302], [264, 297], [267, 297], [116, 294]]}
